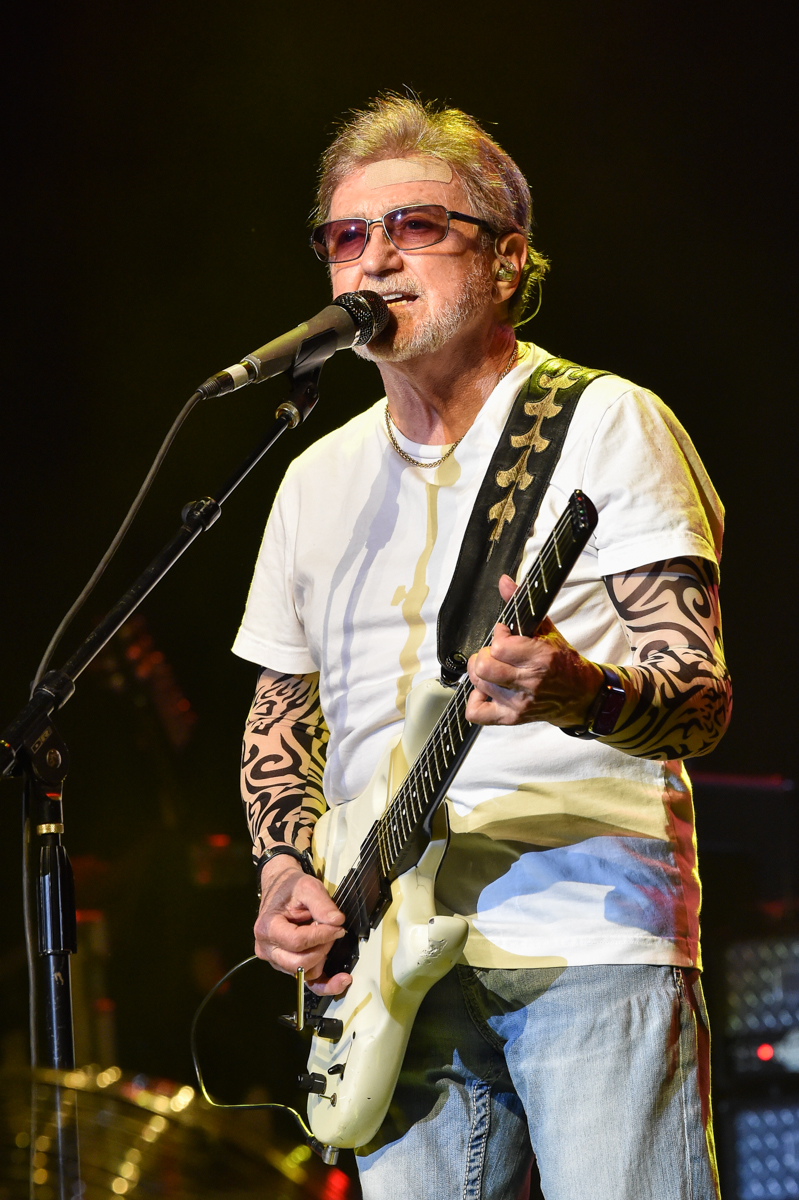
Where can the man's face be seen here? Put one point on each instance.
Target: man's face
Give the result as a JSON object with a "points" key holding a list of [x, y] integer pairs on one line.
{"points": [[445, 289]]}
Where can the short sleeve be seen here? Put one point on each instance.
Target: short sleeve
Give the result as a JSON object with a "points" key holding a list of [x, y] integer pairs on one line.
{"points": [[271, 633], [654, 497]]}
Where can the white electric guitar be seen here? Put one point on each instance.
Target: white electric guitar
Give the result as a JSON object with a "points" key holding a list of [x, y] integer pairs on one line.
{"points": [[378, 856]]}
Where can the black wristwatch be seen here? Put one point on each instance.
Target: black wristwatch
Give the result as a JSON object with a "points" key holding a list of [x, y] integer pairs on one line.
{"points": [[302, 857], [604, 711]]}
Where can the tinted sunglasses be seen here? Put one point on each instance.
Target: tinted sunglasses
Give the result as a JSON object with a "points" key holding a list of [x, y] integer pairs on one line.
{"points": [[410, 228]]}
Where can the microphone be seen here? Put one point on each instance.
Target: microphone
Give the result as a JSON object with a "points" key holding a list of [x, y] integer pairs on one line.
{"points": [[353, 319]]}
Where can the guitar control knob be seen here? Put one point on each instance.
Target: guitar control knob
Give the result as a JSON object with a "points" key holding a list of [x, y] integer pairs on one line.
{"points": [[313, 1083], [329, 1028]]}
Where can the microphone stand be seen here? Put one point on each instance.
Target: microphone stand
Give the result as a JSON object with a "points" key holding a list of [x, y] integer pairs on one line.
{"points": [[32, 747]]}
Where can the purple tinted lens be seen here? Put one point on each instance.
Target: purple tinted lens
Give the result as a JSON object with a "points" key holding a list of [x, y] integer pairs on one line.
{"points": [[339, 241], [421, 225]]}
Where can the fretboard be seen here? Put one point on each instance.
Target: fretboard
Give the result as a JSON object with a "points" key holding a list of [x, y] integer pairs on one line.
{"points": [[395, 841]]}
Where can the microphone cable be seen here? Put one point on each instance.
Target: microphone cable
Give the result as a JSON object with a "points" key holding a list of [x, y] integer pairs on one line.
{"points": [[365, 312], [117, 539], [31, 941]]}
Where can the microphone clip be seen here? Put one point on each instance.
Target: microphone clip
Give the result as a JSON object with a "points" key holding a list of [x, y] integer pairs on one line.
{"points": [[304, 377]]}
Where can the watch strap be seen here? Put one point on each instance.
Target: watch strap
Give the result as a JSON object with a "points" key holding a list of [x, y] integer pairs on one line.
{"points": [[605, 709], [302, 857]]}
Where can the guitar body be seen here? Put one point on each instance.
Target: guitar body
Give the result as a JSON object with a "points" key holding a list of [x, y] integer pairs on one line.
{"points": [[400, 960]]}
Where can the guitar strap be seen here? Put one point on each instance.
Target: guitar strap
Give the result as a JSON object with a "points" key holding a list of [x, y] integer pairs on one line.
{"points": [[506, 507]]}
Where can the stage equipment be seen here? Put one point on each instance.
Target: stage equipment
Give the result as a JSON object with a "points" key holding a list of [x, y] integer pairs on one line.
{"points": [[762, 1026], [762, 1150], [31, 746], [144, 1136]]}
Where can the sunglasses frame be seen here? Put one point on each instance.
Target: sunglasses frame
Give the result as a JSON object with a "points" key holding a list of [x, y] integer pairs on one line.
{"points": [[450, 214]]}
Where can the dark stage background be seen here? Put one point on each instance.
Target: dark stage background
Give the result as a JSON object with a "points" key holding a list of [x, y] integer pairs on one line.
{"points": [[163, 161]]}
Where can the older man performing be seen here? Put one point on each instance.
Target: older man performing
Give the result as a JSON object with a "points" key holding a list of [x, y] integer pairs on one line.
{"points": [[574, 1026]]}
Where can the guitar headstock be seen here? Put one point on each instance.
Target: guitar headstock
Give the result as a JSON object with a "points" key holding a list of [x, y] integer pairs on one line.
{"points": [[583, 514]]}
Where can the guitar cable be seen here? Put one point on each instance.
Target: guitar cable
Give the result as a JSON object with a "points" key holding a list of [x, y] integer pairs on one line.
{"points": [[328, 1154]]}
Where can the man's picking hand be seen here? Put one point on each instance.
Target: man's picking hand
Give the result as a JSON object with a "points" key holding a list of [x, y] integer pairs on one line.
{"points": [[297, 925], [519, 679]]}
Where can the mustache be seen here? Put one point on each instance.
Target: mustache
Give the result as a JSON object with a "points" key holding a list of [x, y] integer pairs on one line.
{"points": [[397, 283]]}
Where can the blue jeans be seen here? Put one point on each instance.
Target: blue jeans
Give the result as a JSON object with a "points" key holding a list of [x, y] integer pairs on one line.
{"points": [[602, 1071]]}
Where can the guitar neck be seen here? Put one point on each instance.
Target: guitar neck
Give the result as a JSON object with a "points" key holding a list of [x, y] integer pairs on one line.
{"points": [[396, 841]]}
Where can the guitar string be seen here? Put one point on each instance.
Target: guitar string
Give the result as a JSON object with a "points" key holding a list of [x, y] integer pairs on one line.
{"points": [[385, 829], [407, 797]]}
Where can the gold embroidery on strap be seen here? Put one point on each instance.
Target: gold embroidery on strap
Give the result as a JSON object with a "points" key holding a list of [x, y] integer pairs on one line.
{"points": [[503, 512]]}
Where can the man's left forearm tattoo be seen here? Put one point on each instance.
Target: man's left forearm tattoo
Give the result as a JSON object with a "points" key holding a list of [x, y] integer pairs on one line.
{"points": [[678, 689], [283, 760]]}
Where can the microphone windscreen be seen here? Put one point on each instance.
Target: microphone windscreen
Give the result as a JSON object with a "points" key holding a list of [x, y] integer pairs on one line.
{"points": [[369, 312]]}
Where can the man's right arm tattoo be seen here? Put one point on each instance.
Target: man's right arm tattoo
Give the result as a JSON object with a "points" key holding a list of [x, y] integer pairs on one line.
{"points": [[282, 761], [678, 688]]}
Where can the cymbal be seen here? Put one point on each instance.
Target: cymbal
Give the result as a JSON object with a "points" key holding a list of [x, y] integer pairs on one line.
{"points": [[146, 1137]]}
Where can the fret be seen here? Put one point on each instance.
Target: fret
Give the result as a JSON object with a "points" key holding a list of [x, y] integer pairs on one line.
{"points": [[392, 833], [448, 743], [399, 823], [530, 602], [385, 855], [453, 724], [381, 847], [458, 720], [419, 795], [407, 801], [417, 802], [399, 819], [434, 757]]}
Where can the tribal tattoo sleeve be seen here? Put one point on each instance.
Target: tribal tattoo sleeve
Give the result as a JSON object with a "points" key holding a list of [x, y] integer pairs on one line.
{"points": [[282, 761], [678, 689]]}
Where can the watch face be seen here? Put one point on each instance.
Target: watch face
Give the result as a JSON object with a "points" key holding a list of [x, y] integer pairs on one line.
{"points": [[610, 707]]}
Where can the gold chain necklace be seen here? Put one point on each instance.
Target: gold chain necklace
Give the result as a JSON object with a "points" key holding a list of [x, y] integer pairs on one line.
{"points": [[428, 466]]}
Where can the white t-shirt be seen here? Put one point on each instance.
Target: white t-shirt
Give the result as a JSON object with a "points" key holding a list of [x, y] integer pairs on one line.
{"points": [[563, 851]]}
